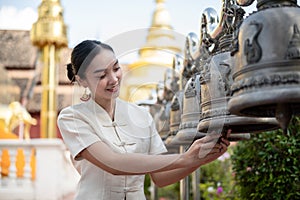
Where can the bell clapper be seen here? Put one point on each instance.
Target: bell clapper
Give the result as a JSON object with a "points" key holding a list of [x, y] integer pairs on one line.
{"points": [[283, 116]]}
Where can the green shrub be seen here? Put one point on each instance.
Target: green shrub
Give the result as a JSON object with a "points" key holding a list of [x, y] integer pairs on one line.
{"points": [[268, 165], [217, 180]]}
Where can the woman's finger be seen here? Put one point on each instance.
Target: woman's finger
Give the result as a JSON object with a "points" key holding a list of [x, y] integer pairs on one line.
{"points": [[218, 148], [210, 145], [212, 154], [228, 133], [224, 141], [210, 137]]}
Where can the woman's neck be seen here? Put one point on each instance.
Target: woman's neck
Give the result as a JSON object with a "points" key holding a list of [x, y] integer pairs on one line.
{"points": [[108, 106]]}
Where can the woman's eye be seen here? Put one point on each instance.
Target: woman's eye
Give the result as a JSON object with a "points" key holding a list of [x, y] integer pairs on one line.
{"points": [[101, 77], [116, 69]]}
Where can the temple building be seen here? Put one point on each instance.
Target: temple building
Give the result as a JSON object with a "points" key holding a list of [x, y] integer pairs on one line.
{"points": [[21, 78], [21, 74], [21, 65]]}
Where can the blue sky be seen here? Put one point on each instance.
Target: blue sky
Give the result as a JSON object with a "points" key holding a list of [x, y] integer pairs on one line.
{"points": [[104, 20]]}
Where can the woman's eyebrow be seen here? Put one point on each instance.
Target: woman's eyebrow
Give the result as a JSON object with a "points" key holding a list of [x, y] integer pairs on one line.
{"points": [[116, 62], [98, 70]]}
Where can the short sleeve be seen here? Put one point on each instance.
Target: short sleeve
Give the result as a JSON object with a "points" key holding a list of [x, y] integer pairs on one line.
{"points": [[157, 146], [76, 131]]}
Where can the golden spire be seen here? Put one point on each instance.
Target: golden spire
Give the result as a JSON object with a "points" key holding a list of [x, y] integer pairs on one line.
{"points": [[161, 17], [155, 56], [50, 27], [49, 33], [160, 40]]}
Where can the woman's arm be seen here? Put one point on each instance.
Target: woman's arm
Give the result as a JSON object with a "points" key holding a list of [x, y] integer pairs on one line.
{"points": [[133, 164], [102, 156]]}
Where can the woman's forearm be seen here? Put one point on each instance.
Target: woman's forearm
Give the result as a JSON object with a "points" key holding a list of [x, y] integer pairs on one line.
{"points": [[162, 179], [131, 164], [201, 152]]}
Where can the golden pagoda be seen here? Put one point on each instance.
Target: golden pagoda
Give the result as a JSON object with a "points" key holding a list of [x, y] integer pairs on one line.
{"points": [[49, 34], [157, 54]]}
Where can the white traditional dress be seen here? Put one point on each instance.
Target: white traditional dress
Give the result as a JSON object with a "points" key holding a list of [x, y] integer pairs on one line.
{"points": [[132, 131]]}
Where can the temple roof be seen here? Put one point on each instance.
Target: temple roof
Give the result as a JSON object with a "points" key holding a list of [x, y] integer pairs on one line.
{"points": [[16, 50], [19, 60]]}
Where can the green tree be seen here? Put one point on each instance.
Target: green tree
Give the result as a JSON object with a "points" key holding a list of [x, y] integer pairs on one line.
{"points": [[268, 165]]}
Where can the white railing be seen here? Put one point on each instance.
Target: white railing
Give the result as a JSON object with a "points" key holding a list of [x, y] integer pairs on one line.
{"points": [[37, 169]]}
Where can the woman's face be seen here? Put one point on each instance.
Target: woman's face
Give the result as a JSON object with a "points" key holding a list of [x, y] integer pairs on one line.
{"points": [[103, 76]]}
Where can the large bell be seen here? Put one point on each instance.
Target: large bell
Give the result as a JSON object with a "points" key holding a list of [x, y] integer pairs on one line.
{"points": [[215, 80], [189, 103], [175, 113], [215, 94], [176, 103], [169, 106], [187, 131], [266, 76], [162, 118]]}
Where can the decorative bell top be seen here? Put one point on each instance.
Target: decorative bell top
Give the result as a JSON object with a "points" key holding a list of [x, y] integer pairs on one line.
{"points": [[263, 4]]}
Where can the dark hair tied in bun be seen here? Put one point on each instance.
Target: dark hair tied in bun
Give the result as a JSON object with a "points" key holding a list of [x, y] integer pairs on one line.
{"points": [[71, 73]]}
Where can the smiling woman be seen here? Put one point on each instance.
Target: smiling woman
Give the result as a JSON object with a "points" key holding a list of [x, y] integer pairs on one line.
{"points": [[115, 143]]}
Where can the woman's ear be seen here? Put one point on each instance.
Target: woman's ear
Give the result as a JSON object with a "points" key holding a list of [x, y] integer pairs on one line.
{"points": [[81, 82]]}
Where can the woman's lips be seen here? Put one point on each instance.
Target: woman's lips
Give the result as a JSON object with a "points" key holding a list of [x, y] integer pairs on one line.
{"points": [[114, 89]]}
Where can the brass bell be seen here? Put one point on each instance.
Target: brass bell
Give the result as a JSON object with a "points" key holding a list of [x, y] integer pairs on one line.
{"points": [[176, 103], [216, 81], [266, 76], [215, 95], [188, 101], [187, 131], [175, 117]]}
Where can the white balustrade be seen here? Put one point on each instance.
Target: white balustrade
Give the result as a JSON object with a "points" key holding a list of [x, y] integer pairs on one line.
{"points": [[48, 175]]}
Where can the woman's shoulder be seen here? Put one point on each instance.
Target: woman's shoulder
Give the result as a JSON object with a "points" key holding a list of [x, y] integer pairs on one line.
{"points": [[72, 109]]}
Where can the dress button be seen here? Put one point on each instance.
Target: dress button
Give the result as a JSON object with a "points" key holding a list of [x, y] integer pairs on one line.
{"points": [[123, 143], [114, 124]]}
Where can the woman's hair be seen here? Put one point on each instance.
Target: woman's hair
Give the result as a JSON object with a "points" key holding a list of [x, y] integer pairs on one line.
{"points": [[81, 57]]}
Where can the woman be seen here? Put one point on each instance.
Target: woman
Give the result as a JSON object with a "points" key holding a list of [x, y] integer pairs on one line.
{"points": [[115, 142]]}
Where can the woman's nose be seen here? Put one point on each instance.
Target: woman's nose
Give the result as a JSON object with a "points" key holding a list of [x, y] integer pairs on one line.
{"points": [[113, 78]]}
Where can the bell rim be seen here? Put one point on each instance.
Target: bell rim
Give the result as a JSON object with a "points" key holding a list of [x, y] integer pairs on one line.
{"points": [[239, 103], [186, 136], [232, 122]]}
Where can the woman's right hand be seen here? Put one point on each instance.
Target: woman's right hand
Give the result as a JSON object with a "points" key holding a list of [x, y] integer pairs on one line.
{"points": [[206, 149]]}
